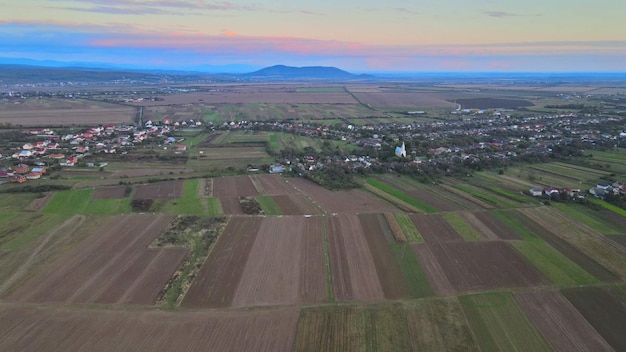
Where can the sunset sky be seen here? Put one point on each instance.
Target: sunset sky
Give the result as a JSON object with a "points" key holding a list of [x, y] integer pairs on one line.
{"points": [[358, 36]]}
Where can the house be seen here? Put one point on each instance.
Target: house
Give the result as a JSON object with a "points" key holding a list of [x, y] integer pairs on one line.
{"points": [[551, 191], [181, 148], [33, 176], [22, 168], [277, 169], [18, 179], [535, 192], [3, 174]]}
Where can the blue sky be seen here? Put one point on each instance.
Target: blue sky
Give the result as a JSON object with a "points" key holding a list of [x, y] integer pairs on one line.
{"points": [[360, 36]]}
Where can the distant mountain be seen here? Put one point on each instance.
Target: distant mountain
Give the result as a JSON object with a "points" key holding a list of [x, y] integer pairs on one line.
{"points": [[311, 72]]}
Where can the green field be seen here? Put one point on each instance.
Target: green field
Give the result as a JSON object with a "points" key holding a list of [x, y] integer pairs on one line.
{"points": [[462, 227], [559, 269], [12, 202], [499, 324], [269, 206], [69, 202], [18, 231], [589, 217], [409, 230], [607, 206], [509, 218], [189, 203], [396, 193], [412, 270]]}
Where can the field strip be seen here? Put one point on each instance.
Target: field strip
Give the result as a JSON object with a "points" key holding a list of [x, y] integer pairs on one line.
{"points": [[467, 196], [73, 222], [395, 201]]}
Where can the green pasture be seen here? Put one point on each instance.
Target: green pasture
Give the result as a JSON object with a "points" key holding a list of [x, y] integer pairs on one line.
{"points": [[15, 202], [589, 217], [20, 230], [191, 204], [607, 206], [499, 324], [269, 206], [69, 202], [396, 193], [556, 267], [461, 226], [412, 270], [408, 228]]}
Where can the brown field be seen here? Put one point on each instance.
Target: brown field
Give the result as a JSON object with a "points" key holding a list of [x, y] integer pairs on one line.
{"points": [[571, 252], [615, 218], [353, 201], [353, 268], [434, 228], [275, 185], [296, 204], [476, 266], [563, 327], [109, 192], [619, 239], [492, 103], [230, 189], [435, 273], [594, 245], [149, 172], [55, 112], [405, 100], [285, 265], [605, 309], [113, 266], [492, 225], [164, 190], [232, 153], [219, 277], [36, 328], [253, 95], [391, 278]]}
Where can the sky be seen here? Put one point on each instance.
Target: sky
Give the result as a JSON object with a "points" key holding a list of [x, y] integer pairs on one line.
{"points": [[355, 35]]}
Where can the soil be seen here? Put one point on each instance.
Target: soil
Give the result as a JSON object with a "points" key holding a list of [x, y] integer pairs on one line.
{"points": [[221, 273], [354, 274], [113, 266], [285, 265], [44, 328], [558, 321], [434, 228], [389, 273], [116, 192], [161, 190]]}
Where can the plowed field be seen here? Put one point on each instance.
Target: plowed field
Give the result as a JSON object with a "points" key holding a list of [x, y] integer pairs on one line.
{"points": [[472, 266], [162, 190], [114, 265], [353, 201], [563, 327], [219, 277], [296, 204], [275, 185], [116, 192], [495, 226], [67, 330], [604, 309], [354, 272], [285, 265], [389, 273], [434, 228]]}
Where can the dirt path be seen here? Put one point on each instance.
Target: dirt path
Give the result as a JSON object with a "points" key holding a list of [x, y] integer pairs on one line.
{"points": [[68, 224]]}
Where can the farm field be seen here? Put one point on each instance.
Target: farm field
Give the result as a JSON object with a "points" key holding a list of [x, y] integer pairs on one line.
{"points": [[108, 270]]}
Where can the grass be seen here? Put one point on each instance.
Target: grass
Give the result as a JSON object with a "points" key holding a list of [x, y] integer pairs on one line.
{"points": [[559, 269], [462, 227], [398, 194], [190, 203], [108, 206], [509, 220], [69, 202], [13, 202], [607, 206], [412, 270], [476, 193], [268, 205], [409, 230], [19, 231], [588, 217], [499, 324]]}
